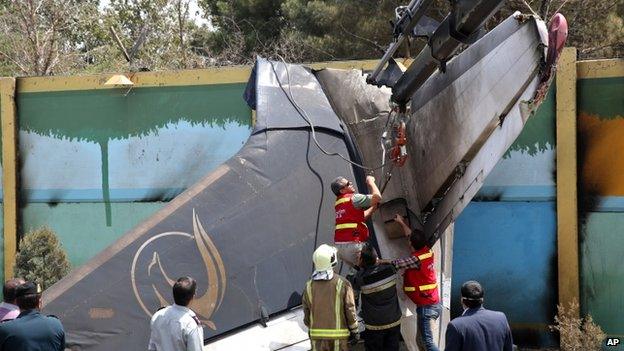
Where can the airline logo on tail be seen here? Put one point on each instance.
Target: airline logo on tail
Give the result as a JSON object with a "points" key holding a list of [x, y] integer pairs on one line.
{"points": [[151, 280]]}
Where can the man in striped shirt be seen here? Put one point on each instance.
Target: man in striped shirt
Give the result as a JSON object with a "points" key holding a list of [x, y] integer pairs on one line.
{"points": [[420, 284]]}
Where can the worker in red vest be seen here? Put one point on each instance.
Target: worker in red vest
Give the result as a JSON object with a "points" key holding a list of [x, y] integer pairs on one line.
{"points": [[420, 284], [352, 211]]}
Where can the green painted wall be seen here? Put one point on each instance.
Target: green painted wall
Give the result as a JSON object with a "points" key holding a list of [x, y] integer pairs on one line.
{"points": [[538, 134], [602, 271], [103, 116], [601, 201], [82, 229], [96, 163], [601, 96]]}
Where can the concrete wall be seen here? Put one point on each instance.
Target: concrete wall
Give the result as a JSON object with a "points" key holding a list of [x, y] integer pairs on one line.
{"points": [[95, 163], [507, 237], [95, 160], [601, 199]]}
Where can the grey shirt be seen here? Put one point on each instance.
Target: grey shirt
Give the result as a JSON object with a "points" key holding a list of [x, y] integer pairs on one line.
{"points": [[175, 328]]}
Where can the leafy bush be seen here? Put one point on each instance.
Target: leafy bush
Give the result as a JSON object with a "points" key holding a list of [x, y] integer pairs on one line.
{"points": [[41, 258], [577, 333]]}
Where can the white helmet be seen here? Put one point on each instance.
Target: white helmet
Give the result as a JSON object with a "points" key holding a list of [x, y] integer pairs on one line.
{"points": [[324, 257]]}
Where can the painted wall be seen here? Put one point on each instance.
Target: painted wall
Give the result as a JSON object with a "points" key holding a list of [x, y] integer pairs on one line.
{"points": [[510, 247], [518, 202], [506, 238], [1, 217], [601, 200], [96, 163]]}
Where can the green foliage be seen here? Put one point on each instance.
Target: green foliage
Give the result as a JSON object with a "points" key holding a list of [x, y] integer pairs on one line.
{"points": [[596, 27], [41, 258], [45, 37]]}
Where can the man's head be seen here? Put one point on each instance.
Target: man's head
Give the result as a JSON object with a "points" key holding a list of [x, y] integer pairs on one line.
{"points": [[417, 239], [28, 296], [472, 294], [368, 255], [184, 291], [341, 186], [9, 289]]}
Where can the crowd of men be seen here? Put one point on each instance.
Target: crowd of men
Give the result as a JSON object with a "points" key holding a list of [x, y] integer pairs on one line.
{"points": [[330, 301], [22, 326]]}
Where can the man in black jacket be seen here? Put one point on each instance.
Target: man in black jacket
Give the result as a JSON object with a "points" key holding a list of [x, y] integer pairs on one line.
{"points": [[478, 329], [380, 305]]}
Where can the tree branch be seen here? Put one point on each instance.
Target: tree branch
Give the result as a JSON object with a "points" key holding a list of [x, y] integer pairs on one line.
{"points": [[543, 11], [24, 70], [366, 40]]}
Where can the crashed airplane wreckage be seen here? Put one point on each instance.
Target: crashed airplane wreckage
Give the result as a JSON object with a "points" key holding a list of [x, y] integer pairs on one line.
{"points": [[247, 230]]}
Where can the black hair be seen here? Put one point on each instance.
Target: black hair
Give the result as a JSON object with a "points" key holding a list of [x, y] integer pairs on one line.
{"points": [[417, 239], [28, 301], [184, 290], [472, 294], [10, 288], [368, 255]]}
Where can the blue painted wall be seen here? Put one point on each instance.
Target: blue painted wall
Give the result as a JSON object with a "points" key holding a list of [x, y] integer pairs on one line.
{"points": [[510, 248], [506, 238]]}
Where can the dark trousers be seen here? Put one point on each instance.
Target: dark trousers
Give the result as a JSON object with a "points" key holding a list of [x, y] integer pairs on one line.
{"points": [[382, 340]]}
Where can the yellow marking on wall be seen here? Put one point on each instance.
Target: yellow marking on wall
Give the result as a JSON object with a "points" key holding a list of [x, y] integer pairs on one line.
{"points": [[600, 68], [603, 165], [222, 75], [567, 210], [207, 76], [9, 172]]}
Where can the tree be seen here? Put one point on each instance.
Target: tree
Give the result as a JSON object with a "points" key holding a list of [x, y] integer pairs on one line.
{"points": [[41, 37], [41, 258], [357, 29], [168, 27], [596, 27]]}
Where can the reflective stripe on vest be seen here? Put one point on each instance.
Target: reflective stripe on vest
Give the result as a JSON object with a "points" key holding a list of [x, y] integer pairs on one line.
{"points": [[342, 200], [329, 333], [338, 304], [425, 255], [421, 288], [382, 327], [379, 286], [309, 290], [348, 225], [337, 333], [350, 221]]}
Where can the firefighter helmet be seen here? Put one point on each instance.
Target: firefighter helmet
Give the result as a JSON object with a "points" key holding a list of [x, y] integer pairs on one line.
{"points": [[324, 257]]}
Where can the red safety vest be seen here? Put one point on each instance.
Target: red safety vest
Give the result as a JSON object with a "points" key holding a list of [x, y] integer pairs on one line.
{"points": [[350, 224], [420, 285]]}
